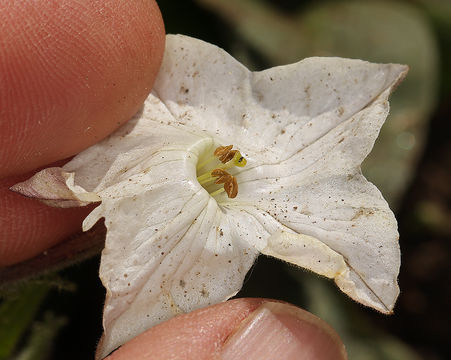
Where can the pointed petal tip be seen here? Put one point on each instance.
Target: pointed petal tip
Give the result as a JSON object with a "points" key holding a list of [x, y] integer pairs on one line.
{"points": [[54, 187], [373, 298], [402, 73], [100, 350], [383, 309], [18, 188]]}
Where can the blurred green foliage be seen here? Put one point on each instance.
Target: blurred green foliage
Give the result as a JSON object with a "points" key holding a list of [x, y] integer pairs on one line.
{"points": [[17, 312], [43, 333]]}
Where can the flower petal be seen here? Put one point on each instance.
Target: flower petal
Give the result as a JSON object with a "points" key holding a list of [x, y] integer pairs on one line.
{"points": [[325, 92], [56, 187], [203, 86], [167, 252], [283, 109], [146, 141], [306, 251], [320, 192], [355, 223]]}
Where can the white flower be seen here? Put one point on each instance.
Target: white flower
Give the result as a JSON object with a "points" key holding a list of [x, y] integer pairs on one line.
{"points": [[174, 245]]}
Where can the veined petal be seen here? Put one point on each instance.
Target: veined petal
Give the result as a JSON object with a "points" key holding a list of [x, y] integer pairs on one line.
{"points": [[320, 192], [328, 91], [169, 247], [56, 187], [306, 251], [203, 86], [146, 141], [181, 254], [207, 89]]}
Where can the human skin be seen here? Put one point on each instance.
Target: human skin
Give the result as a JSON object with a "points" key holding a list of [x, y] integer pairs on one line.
{"points": [[250, 329], [71, 72]]}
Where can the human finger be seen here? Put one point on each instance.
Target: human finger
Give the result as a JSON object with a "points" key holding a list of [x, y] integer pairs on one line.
{"points": [[247, 329], [70, 74]]}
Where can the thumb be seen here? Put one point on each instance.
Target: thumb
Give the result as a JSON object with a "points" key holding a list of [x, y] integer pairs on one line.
{"points": [[238, 329]]}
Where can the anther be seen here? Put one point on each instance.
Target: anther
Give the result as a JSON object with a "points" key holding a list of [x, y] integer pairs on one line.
{"points": [[229, 181], [222, 175], [231, 188], [225, 153]]}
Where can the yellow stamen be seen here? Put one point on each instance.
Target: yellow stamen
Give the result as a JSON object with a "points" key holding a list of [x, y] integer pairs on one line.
{"points": [[205, 178], [217, 192], [202, 164], [230, 158]]}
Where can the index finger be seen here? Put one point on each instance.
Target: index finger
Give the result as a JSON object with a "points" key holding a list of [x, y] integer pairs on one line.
{"points": [[70, 73]]}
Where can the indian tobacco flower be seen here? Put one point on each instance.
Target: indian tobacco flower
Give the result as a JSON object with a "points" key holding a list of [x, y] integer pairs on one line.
{"points": [[222, 164]]}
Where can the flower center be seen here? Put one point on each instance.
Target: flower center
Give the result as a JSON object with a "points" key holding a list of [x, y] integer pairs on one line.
{"points": [[213, 171]]}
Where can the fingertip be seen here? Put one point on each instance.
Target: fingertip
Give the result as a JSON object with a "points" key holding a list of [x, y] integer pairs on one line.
{"points": [[248, 329], [196, 335], [283, 331], [72, 72]]}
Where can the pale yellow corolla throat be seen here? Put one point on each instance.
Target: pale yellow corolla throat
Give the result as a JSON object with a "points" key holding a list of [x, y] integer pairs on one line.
{"points": [[219, 174]]}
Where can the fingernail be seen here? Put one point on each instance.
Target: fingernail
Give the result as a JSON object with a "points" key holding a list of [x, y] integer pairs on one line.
{"points": [[283, 331]]}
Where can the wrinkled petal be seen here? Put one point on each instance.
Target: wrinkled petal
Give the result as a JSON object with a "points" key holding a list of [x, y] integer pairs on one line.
{"points": [[306, 251], [143, 143], [357, 225], [167, 252], [320, 192], [56, 187], [283, 109]]}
